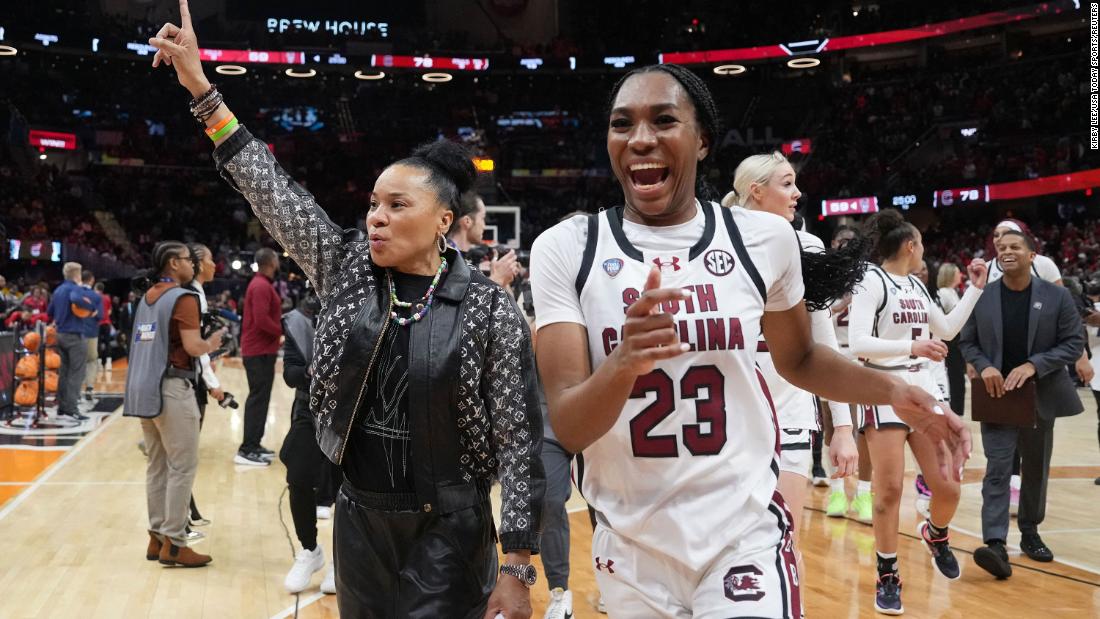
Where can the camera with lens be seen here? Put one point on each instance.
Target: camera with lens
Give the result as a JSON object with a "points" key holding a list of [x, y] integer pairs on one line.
{"points": [[229, 401], [211, 321], [480, 253]]}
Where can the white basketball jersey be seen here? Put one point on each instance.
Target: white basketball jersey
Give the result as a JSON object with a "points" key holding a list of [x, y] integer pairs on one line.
{"points": [[794, 407], [902, 314], [692, 461]]}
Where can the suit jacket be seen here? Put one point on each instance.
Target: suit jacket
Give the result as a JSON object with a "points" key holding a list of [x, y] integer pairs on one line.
{"points": [[1055, 340]]}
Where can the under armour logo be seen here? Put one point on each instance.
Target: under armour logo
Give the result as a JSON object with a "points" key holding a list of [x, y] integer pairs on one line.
{"points": [[674, 264], [605, 566]]}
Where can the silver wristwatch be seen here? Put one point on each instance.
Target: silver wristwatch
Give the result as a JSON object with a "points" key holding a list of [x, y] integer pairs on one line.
{"points": [[527, 574]]}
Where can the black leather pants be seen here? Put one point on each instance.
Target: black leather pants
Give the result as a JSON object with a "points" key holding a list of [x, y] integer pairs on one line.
{"points": [[398, 564]]}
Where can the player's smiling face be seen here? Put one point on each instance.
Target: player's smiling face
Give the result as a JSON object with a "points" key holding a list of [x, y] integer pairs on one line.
{"points": [[655, 143], [780, 194]]}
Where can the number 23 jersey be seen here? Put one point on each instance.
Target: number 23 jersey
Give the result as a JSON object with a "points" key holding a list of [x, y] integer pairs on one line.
{"points": [[691, 461]]}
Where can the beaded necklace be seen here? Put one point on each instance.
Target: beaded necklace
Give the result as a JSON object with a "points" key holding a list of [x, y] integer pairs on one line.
{"points": [[423, 304]]}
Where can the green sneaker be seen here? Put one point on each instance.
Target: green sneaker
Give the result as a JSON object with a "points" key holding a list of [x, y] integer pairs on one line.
{"points": [[838, 504], [862, 505]]}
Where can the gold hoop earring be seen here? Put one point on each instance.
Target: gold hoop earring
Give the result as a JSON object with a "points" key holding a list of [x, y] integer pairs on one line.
{"points": [[442, 244]]}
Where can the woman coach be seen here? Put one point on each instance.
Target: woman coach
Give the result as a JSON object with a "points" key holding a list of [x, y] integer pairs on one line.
{"points": [[424, 385]]}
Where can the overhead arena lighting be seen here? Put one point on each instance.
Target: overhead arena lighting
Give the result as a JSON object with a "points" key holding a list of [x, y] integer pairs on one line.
{"points": [[8, 50], [306, 73], [437, 77], [231, 69], [803, 63], [729, 69], [359, 75]]}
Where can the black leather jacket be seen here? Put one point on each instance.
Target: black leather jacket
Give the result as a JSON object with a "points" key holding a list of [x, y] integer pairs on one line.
{"points": [[473, 391]]}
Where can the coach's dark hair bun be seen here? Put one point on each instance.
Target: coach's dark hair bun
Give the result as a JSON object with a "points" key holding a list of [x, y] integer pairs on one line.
{"points": [[887, 231], [450, 167]]}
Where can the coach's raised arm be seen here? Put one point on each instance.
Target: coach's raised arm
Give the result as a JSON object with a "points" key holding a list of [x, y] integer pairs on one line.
{"points": [[424, 387]]}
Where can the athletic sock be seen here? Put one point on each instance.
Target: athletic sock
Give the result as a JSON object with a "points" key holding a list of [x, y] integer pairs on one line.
{"points": [[863, 487], [887, 563], [836, 485], [936, 532]]}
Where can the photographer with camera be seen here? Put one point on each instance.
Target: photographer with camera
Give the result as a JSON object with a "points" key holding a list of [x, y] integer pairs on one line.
{"points": [[466, 234], [160, 389]]}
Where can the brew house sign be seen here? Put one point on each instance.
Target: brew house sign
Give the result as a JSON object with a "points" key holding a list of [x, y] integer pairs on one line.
{"points": [[337, 27]]}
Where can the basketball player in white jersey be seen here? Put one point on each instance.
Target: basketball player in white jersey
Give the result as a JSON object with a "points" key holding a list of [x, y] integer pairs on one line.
{"points": [[893, 321], [838, 505], [767, 183], [655, 388]]}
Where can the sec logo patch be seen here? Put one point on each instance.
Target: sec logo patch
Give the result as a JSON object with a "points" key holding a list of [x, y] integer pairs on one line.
{"points": [[719, 262]]}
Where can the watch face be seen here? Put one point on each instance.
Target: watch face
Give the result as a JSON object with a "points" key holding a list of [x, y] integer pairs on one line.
{"points": [[530, 575]]}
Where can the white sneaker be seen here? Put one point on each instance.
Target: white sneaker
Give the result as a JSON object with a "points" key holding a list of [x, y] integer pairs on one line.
{"points": [[561, 605], [305, 564], [328, 585], [195, 536], [323, 512], [600, 606]]}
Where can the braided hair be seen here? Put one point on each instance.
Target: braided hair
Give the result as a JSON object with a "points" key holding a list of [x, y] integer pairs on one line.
{"points": [[163, 253], [706, 112]]}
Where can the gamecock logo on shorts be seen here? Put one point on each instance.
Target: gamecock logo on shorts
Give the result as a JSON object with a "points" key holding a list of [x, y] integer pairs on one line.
{"points": [[718, 262], [742, 583]]}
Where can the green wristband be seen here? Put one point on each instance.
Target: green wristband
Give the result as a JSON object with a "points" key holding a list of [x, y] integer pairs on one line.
{"points": [[224, 131]]}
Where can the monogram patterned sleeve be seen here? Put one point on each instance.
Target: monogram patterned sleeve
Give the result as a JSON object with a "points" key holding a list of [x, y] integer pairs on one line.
{"points": [[285, 208], [509, 387]]}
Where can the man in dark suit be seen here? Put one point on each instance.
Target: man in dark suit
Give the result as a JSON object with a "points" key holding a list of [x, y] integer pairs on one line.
{"points": [[1023, 328]]}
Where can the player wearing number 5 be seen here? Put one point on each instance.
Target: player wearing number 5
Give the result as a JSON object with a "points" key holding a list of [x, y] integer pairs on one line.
{"points": [[648, 318], [893, 320]]}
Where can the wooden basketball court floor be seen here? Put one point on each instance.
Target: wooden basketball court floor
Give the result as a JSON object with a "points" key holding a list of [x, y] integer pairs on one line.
{"points": [[72, 535]]}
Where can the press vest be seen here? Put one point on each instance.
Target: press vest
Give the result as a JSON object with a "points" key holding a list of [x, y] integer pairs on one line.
{"points": [[149, 355]]}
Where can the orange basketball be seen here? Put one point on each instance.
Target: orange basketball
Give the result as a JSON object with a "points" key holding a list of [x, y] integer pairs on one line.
{"points": [[51, 382], [31, 341], [80, 312], [51, 336], [27, 393], [27, 367], [53, 360]]}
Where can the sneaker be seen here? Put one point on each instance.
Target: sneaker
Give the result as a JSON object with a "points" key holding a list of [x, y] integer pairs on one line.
{"points": [[75, 416], [838, 504], [863, 505], [943, 559], [888, 595], [324, 512], [195, 536], [820, 479], [600, 606], [265, 453], [305, 564], [250, 459], [328, 585], [1013, 501], [199, 522], [993, 558], [561, 604], [923, 502], [1035, 549]]}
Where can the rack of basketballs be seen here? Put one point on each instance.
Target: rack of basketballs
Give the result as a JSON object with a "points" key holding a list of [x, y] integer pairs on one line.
{"points": [[36, 372]]}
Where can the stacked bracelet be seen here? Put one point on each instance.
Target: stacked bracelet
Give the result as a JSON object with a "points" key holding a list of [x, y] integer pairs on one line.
{"points": [[204, 107], [226, 129]]}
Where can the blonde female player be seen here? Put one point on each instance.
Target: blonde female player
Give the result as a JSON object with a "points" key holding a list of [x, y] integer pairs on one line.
{"points": [[647, 316], [766, 183], [893, 320]]}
